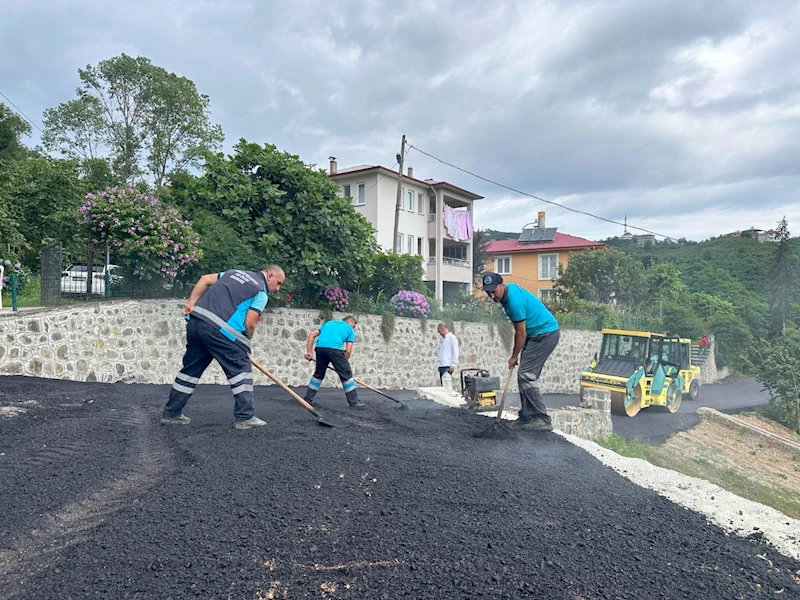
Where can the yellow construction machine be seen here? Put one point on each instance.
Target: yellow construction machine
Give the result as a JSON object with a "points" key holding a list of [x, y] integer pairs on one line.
{"points": [[642, 369]]}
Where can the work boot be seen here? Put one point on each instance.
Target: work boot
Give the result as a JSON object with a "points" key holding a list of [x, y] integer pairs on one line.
{"points": [[358, 405], [535, 425], [179, 420], [249, 423]]}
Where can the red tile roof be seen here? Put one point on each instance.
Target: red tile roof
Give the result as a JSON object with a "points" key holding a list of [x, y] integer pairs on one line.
{"points": [[562, 241]]}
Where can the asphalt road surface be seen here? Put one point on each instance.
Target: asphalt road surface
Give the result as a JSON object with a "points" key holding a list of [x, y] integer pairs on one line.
{"points": [[98, 500], [655, 424]]}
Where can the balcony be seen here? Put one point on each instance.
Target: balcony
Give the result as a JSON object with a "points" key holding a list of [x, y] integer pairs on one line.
{"points": [[453, 269]]}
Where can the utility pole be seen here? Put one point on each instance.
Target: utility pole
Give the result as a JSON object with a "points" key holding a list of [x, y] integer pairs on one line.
{"points": [[400, 157]]}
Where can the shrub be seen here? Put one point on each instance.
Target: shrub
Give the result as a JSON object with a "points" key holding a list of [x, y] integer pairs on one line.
{"points": [[410, 304], [142, 232], [336, 298]]}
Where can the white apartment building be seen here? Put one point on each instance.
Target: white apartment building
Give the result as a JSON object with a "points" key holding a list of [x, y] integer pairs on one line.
{"points": [[435, 221]]}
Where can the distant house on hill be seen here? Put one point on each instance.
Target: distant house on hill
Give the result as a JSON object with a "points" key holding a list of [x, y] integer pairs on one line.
{"points": [[532, 260]]}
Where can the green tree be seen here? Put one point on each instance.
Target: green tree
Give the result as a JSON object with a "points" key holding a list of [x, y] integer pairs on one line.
{"points": [[292, 215], [394, 272], [776, 365], [143, 118], [663, 282], [12, 128], [40, 198], [783, 280], [601, 276], [733, 339], [708, 306]]}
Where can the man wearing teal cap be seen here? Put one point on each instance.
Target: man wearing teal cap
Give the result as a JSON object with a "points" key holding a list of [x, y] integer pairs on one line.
{"points": [[536, 335]]}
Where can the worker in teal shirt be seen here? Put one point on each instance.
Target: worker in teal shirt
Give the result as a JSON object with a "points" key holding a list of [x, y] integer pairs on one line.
{"points": [[334, 346], [536, 335]]}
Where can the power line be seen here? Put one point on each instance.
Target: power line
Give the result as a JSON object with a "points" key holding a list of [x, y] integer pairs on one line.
{"points": [[575, 210], [20, 112]]}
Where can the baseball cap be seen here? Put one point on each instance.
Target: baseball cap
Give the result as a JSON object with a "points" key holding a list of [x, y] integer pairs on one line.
{"points": [[491, 281]]}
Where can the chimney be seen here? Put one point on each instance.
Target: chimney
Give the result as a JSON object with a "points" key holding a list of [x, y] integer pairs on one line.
{"points": [[334, 166], [411, 172], [540, 222]]}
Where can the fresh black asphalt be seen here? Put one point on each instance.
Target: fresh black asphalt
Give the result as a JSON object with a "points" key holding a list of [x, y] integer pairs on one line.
{"points": [[98, 500]]}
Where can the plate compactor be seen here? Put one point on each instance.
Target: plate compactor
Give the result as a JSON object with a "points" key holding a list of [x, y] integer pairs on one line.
{"points": [[479, 389]]}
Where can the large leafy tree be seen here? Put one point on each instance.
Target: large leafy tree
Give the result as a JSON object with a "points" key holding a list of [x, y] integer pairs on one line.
{"points": [[289, 214], [601, 276], [145, 120]]}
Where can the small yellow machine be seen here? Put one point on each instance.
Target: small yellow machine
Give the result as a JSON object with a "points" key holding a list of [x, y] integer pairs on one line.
{"points": [[642, 369], [479, 388]]}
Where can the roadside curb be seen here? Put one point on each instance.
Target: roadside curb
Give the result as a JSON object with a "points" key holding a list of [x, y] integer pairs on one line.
{"points": [[709, 414]]}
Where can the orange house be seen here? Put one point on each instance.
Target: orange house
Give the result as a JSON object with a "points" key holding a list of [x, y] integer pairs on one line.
{"points": [[532, 260]]}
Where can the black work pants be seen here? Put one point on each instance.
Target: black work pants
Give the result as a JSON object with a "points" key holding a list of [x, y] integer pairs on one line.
{"points": [[331, 356], [534, 353], [204, 343]]}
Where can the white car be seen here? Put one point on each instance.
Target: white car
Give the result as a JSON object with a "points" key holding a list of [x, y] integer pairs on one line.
{"points": [[73, 280]]}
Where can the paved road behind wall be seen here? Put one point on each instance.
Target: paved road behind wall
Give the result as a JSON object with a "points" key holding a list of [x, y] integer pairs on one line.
{"points": [[655, 424]]}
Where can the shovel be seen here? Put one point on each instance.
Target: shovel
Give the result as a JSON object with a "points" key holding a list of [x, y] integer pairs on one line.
{"points": [[498, 429], [377, 391], [326, 421]]}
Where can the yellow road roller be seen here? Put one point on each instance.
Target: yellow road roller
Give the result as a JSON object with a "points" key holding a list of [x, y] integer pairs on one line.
{"points": [[642, 369]]}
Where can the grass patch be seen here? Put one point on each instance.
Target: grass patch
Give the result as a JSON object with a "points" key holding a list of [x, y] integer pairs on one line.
{"points": [[634, 448]]}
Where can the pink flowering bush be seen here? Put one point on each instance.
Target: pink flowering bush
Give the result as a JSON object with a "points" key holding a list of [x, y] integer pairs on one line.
{"points": [[336, 298], [410, 304], [142, 232]]}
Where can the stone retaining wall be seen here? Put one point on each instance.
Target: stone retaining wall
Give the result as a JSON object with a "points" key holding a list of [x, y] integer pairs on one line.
{"points": [[143, 341]]}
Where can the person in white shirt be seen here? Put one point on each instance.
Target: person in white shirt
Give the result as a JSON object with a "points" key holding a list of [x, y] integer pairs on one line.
{"points": [[448, 356]]}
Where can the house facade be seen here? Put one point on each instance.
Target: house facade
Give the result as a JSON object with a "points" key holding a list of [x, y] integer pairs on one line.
{"points": [[532, 260], [435, 221]]}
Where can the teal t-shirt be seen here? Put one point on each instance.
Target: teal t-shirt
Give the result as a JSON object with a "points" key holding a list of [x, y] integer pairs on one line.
{"points": [[335, 334], [521, 305]]}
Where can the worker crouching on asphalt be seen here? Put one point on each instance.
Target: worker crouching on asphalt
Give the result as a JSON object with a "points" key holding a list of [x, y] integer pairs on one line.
{"points": [[222, 313], [536, 335], [331, 338]]}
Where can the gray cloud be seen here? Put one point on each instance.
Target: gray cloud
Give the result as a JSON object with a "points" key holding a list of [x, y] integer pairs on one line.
{"points": [[682, 114]]}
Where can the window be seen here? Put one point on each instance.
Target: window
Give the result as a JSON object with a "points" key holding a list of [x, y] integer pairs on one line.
{"points": [[548, 296], [411, 244], [502, 265], [548, 266], [345, 191], [419, 246], [361, 194], [398, 243], [402, 195], [420, 206], [410, 201]]}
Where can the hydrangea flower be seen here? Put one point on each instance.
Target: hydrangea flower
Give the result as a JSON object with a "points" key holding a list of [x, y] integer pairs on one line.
{"points": [[407, 303], [336, 297]]}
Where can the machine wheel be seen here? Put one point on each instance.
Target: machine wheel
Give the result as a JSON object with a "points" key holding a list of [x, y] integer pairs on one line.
{"points": [[694, 390], [618, 406], [676, 403]]}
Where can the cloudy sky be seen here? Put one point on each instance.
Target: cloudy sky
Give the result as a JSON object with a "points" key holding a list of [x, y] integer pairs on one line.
{"points": [[682, 114]]}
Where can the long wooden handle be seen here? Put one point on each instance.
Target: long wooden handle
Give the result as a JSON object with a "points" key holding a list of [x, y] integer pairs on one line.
{"points": [[294, 395], [505, 391]]}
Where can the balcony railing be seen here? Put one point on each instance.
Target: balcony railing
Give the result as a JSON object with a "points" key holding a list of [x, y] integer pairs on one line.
{"points": [[447, 260]]}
